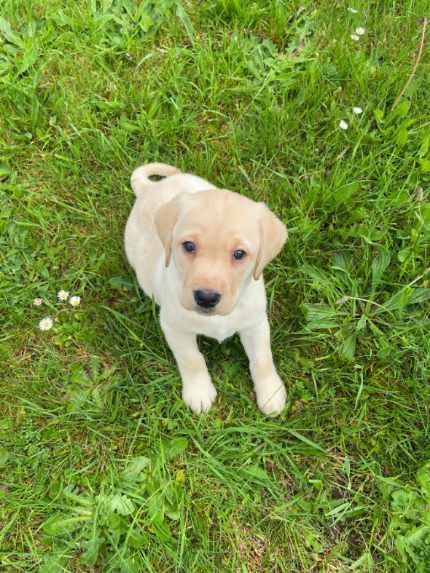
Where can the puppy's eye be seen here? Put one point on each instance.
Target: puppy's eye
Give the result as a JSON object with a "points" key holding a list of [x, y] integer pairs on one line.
{"points": [[189, 246], [239, 254]]}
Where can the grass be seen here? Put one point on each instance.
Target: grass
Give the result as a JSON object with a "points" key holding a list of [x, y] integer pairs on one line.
{"points": [[102, 468]]}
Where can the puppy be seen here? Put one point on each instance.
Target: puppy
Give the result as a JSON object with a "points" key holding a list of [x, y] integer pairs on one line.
{"points": [[200, 252]]}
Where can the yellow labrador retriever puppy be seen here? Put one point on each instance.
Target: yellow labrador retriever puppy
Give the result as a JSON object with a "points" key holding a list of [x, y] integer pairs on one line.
{"points": [[200, 252]]}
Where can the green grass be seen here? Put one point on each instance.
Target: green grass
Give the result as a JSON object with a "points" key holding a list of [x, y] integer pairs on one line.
{"points": [[102, 467]]}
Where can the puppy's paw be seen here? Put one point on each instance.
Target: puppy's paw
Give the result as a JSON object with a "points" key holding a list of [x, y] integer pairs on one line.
{"points": [[271, 395], [199, 396]]}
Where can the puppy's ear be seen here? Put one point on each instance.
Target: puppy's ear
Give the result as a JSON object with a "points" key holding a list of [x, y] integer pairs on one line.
{"points": [[273, 234], [165, 220]]}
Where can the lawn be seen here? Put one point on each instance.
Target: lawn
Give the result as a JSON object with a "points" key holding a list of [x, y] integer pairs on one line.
{"points": [[102, 467]]}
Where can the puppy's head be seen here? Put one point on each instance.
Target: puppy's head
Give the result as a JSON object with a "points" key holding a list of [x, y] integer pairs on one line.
{"points": [[218, 241]]}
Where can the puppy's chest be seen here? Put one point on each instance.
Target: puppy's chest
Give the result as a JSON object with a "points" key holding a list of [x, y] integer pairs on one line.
{"points": [[222, 327], [219, 328]]}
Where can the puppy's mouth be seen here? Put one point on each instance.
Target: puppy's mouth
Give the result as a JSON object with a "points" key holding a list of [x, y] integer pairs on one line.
{"points": [[205, 311], [215, 311]]}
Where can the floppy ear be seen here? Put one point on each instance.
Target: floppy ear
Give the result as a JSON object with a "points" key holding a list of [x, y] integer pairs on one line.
{"points": [[273, 234], [165, 221]]}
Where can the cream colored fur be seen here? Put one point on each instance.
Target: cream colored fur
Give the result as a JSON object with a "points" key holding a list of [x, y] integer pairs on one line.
{"points": [[183, 207]]}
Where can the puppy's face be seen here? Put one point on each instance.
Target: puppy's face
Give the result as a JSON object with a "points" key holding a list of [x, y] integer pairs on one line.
{"points": [[218, 241]]}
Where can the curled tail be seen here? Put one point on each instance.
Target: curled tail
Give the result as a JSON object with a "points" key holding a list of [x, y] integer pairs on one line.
{"points": [[141, 175]]}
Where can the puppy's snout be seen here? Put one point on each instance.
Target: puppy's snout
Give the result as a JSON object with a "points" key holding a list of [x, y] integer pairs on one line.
{"points": [[207, 298]]}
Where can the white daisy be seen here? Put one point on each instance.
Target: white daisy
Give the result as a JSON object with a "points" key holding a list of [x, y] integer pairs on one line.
{"points": [[75, 300], [352, 10], [355, 37], [343, 124], [46, 323], [360, 31], [63, 295], [38, 302], [357, 110]]}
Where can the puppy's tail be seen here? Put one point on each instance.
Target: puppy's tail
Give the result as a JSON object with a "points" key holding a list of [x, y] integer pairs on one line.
{"points": [[141, 176]]}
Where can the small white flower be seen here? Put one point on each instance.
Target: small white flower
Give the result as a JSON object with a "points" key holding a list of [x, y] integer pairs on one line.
{"points": [[343, 124], [360, 31], [75, 300], [63, 295], [38, 302], [355, 37], [352, 10], [357, 110], [46, 323]]}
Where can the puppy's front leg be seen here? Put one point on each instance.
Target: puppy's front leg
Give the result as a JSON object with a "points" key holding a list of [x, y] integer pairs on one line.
{"points": [[269, 388], [198, 392]]}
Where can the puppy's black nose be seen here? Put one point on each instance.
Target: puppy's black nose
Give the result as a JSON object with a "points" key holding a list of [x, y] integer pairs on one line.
{"points": [[207, 298]]}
